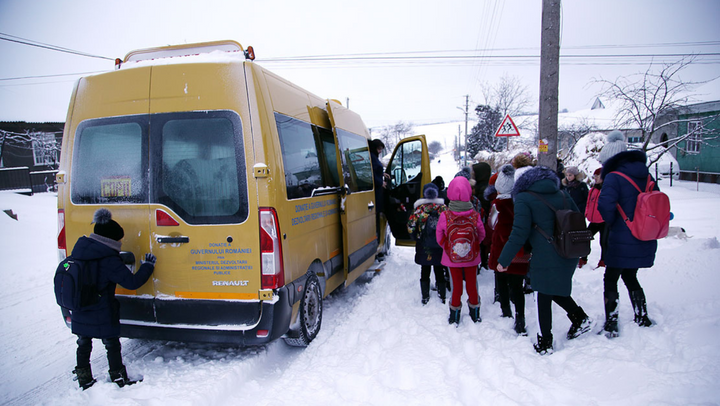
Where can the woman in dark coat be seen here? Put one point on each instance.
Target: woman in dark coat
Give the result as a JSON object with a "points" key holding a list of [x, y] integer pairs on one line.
{"points": [[428, 210], [102, 320], [551, 274], [623, 253]]}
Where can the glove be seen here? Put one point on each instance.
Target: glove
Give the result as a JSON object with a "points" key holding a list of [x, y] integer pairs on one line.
{"points": [[149, 259]]}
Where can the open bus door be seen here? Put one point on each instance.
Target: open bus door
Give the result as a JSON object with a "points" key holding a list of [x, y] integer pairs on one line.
{"points": [[409, 170]]}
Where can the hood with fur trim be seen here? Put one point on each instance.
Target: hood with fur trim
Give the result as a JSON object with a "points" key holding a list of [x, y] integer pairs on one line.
{"points": [[530, 177]]}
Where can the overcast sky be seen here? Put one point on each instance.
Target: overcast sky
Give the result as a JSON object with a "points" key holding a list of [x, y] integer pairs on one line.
{"points": [[456, 47]]}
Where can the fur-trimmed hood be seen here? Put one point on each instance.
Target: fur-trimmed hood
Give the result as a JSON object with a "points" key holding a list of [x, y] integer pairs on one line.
{"points": [[532, 176], [419, 202]]}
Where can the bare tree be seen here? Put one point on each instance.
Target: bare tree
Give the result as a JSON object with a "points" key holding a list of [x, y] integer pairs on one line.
{"points": [[508, 96], [569, 135], [43, 144], [647, 99], [392, 134]]}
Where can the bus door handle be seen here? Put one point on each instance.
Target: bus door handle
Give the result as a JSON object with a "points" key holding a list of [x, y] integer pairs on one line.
{"points": [[173, 240], [371, 206]]}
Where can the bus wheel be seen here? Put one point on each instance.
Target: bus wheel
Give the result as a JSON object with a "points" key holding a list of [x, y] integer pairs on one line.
{"points": [[311, 307]]}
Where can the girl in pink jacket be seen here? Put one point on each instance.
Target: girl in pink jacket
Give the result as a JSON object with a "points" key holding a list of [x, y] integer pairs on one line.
{"points": [[460, 231]]}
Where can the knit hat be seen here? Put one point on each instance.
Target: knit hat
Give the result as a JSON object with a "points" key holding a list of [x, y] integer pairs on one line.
{"points": [[505, 179], [465, 173], [106, 226], [430, 191], [614, 145], [572, 170]]}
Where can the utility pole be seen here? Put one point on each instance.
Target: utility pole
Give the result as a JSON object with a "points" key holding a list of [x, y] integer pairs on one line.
{"points": [[467, 101], [549, 79]]}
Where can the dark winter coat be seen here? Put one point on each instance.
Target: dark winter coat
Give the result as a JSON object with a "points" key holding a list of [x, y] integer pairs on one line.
{"points": [[377, 168], [578, 190], [550, 273], [623, 249], [103, 319], [416, 225], [482, 172], [500, 235]]}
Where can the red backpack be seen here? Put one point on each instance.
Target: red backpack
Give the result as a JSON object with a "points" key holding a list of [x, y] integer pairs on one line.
{"points": [[463, 242], [651, 219]]}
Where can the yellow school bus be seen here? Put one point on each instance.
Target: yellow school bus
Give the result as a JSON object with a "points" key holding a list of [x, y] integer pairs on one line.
{"points": [[255, 195]]}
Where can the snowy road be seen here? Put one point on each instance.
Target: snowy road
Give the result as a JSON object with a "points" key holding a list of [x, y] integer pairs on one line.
{"points": [[379, 346]]}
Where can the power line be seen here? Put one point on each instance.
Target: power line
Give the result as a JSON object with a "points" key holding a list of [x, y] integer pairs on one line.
{"points": [[24, 41]]}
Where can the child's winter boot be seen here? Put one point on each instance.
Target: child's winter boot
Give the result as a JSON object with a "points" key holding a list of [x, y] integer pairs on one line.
{"points": [[454, 316], [637, 297], [520, 327], [611, 315], [441, 289], [544, 344], [84, 377], [120, 377], [425, 291], [581, 323], [475, 312]]}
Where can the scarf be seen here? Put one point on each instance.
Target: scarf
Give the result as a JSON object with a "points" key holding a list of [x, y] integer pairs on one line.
{"points": [[458, 206], [107, 241]]}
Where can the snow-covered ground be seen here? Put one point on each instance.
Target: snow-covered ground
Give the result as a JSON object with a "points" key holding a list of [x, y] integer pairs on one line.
{"points": [[379, 346]]}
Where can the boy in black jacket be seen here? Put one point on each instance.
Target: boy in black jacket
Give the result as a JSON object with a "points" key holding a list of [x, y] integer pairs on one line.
{"points": [[102, 320]]}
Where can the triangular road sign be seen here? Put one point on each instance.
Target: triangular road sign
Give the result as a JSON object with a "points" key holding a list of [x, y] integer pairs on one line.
{"points": [[507, 128]]}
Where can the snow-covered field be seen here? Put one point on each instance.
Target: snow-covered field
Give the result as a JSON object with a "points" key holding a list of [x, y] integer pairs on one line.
{"points": [[379, 346]]}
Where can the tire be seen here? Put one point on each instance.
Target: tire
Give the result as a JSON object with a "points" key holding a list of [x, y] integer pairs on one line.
{"points": [[311, 307]]}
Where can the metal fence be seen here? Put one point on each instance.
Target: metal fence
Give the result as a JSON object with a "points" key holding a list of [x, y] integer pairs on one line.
{"points": [[22, 180]]}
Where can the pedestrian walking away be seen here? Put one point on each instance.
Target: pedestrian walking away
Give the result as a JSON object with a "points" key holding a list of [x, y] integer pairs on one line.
{"points": [[624, 254], [551, 274]]}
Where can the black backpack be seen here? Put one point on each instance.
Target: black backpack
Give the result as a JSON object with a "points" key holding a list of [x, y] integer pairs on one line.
{"points": [[428, 237], [571, 238], [76, 284]]}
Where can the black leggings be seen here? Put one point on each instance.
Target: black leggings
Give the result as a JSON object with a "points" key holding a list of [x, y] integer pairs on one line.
{"points": [[545, 310], [112, 346], [629, 276], [425, 273]]}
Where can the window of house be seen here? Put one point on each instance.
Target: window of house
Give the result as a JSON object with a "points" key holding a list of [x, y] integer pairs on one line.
{"points": [[694, 137], [45, 149]]}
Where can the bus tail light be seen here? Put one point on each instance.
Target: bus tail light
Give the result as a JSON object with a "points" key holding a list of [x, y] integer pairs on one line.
{"points": [[62, 241], [272, 273]]}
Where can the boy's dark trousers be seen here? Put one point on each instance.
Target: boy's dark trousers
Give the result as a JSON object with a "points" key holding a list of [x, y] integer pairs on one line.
{"points": [[112, 346]]}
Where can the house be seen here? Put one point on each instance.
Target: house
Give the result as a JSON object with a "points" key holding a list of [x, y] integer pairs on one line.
{"points": [[697, 129], [29, 155]]}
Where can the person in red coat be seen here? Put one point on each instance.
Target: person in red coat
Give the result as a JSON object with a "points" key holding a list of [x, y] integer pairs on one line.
{"points": [[510, 283]]}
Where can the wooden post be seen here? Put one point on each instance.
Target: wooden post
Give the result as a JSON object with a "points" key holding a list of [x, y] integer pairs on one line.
{"points": [[549, 79]]}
